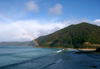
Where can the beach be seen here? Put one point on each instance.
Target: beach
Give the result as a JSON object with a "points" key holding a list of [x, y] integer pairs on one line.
{"points": [[87, 49]]}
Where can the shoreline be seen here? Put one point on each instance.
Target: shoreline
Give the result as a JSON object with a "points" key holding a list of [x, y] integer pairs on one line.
{"points": [[84, 49]]}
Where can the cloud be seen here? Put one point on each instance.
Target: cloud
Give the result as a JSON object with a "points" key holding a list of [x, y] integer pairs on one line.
{"points": [[9, 32], [32, 6], [35, 28], [24, 30], [97, 22], [75, 21], [56, 10]]}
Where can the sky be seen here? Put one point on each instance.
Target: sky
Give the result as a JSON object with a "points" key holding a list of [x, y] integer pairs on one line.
{"points": [[24, 20]]}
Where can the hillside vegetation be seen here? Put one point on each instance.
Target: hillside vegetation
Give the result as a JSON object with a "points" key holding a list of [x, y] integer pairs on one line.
{"points": [[73, 36]]}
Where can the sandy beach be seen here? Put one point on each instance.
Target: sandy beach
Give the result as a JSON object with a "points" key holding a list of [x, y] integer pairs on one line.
{"points": [[84, 49], [87, 49]]}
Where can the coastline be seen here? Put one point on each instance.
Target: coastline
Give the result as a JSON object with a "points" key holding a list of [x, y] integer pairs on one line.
{"points": [[84, 49]]}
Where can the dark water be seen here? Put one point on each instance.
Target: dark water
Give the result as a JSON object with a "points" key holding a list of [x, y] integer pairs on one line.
{"points": [[23, 57]]}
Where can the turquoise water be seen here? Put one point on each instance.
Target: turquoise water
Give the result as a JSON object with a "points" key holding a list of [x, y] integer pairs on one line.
{"points": [[10, 55]]}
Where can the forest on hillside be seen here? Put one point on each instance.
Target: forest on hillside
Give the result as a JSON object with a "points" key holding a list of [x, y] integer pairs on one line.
{"points": [[73, 36]]}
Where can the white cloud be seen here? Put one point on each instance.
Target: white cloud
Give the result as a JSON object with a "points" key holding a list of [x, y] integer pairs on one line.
{"points": [[75, 21], [33, 27], [8, 32], [97, 22], [57, 9], [32, 6], [23, 30]]}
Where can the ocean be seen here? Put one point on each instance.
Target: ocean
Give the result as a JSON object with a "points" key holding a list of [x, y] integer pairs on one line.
{"points": [[25, 57]]}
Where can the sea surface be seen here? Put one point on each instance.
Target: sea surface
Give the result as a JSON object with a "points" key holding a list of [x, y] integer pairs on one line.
{"points": [[25, 57]]}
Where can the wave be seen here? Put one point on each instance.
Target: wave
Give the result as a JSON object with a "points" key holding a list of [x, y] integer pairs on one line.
{"points": [[58, 61], [59, 51], [51, 64]]}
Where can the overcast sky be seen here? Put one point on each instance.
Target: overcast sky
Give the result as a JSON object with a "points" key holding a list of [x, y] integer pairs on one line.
{"points": [[24, 20]]}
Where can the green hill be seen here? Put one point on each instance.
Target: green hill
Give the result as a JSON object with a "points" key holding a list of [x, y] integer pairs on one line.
{"points": [[83, 35]]}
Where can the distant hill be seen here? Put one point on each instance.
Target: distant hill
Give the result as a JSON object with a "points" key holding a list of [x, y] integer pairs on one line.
{"points": [[26, 43], [83, 35]]}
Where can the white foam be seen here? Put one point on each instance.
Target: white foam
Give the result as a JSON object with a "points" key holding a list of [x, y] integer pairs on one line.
{"points": [[59, 51]]}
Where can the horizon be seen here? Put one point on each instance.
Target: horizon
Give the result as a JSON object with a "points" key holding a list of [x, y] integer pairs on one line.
{"points": [[28, 19]]}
